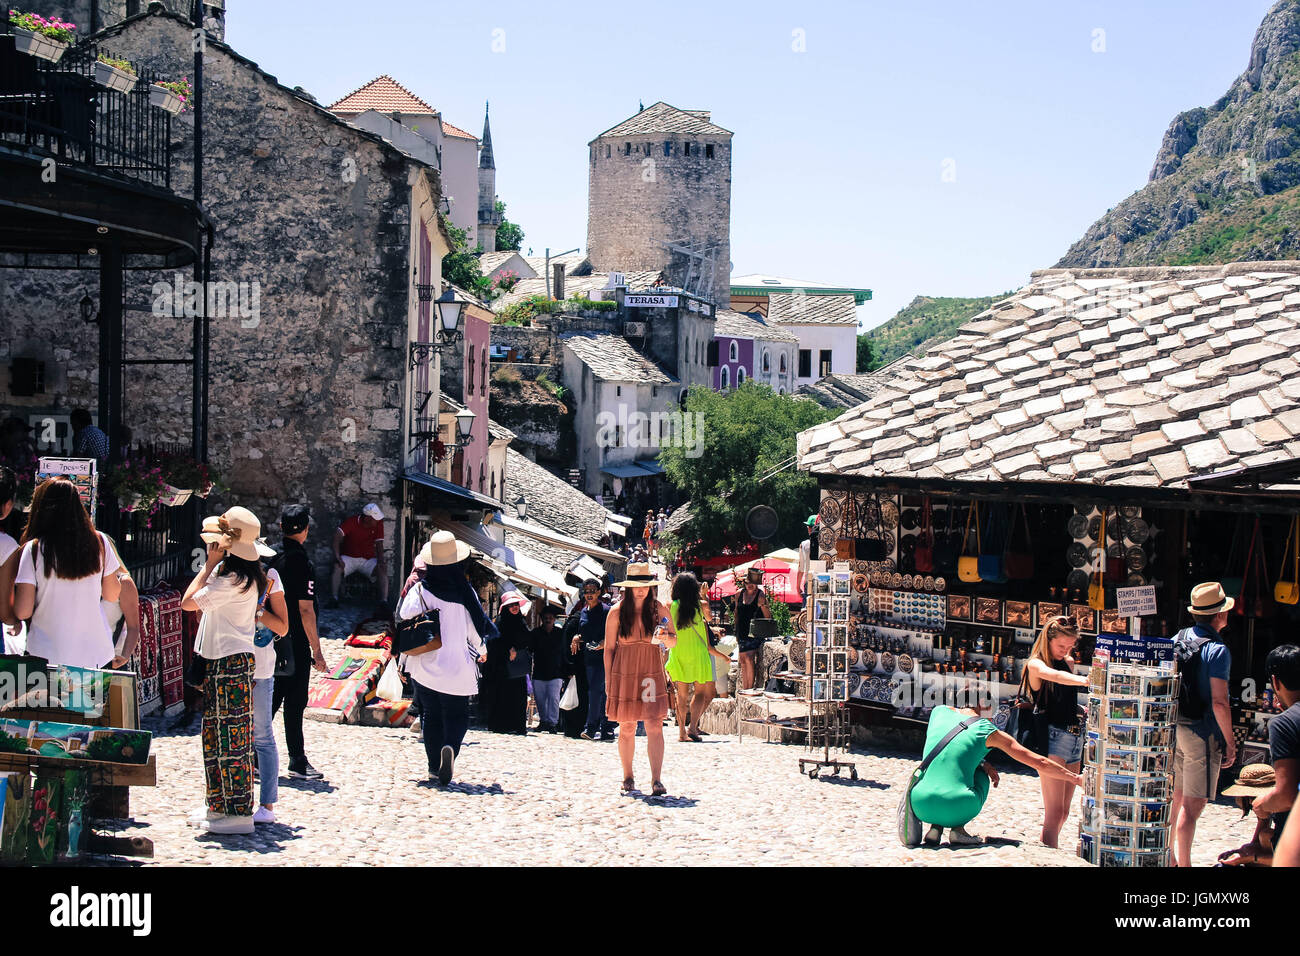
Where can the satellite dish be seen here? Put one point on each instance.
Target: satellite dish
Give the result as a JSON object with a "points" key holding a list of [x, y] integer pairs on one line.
{"points": [[761, 522]]}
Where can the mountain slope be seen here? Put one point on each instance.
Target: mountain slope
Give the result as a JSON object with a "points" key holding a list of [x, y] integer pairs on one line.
{"points": [[923, 322], [1225, 185]]}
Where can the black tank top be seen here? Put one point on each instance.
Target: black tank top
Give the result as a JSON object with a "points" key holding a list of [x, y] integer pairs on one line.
{"points": [[745, 612], [1059, 701]]}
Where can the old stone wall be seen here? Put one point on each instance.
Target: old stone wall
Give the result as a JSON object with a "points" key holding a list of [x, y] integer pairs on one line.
{"points": [[306, 392], [113, 12], [639, 199]]}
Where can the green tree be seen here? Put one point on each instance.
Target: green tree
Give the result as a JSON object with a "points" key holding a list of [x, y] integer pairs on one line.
{"points": [[746, 432], [868, 359], [509, 235], [460, 266]]}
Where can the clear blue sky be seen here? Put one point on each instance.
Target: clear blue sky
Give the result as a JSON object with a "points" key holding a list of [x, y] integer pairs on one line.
{"points": [[838, 150]]}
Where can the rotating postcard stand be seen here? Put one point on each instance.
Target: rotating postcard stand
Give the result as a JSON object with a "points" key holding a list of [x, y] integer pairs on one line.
{"points": [[828, 668], [1128, 763]]}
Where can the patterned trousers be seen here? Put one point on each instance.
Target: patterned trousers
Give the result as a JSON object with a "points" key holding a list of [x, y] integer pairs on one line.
{"points": [[228, 735]]}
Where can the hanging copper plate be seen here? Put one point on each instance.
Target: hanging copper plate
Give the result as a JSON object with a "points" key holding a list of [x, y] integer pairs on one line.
{"points": [[1077, 554], [887, 662], [910, 519], [905, 663], [859, 582], [799, 653], [867, 659], [1114, 530], [889, 515], [1094, 527], [1136, 580], [1136, 559], [826, 538], [896, 580], [1138, 531], [1077, 525], [1131, 511], [1077, 580], [829, 513], [907, 582], [1115, 550], [940, 585]]}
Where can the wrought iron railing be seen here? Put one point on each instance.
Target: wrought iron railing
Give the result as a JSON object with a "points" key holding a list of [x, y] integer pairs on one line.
{"points": [[56, 109]]}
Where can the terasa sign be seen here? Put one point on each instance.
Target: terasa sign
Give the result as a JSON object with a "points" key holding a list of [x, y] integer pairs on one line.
{"points": [[650, 301]]}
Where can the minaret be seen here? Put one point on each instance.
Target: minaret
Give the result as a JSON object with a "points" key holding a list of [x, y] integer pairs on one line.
{"points": [[488, 219]]}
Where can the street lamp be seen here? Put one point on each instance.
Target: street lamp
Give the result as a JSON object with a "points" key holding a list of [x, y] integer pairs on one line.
{"points": [[521, 507], [87, 307], [449, 310], [464, 425]]}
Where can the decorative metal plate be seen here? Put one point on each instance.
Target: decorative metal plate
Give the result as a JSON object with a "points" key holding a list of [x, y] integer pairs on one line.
{"points": [[860, 582], [1077, 580], [1131, 511], [1138, 531], [889, 515], [1094, 527], [940, 585], [826, 538], [867, 658], [1136, 580], [829, 513], [1077, 554], [910, 519], [1136, 559], [1078, 525]]}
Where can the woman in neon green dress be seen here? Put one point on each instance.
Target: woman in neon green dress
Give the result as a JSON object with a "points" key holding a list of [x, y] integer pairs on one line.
{"points": [[952, 791], [690, 661]]}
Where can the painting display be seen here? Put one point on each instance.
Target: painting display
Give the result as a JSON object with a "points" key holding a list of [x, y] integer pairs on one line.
{"points": [[74, 741]]}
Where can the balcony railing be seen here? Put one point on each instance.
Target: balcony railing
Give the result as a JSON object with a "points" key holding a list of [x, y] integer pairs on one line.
{"points": [[58, 110]]}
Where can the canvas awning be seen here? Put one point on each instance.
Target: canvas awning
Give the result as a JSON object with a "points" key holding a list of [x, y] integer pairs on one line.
{"points": [[617, 524], [462, 497], [587, 569], [623, 471], [554, 538]]}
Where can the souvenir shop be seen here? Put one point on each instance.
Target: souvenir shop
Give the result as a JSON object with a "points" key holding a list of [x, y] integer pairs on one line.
{"points": [[948, 583]]}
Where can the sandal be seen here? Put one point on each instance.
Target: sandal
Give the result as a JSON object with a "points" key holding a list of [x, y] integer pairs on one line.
{"points": [[629, 785], [696, 737], [658, 790]]}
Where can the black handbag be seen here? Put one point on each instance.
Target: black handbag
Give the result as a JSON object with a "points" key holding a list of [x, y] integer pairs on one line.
{"points": [[522, 665], [1031, 730], [946, 549], [419, 634]]}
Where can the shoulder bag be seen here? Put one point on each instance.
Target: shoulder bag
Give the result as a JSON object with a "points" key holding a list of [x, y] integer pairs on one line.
{"points": [[968, 565], [420, 634], [946, 548], [1288, 592], [990, 562], [1019, 563], [909, 827], [923, 555], [1031, 730], [844, 544]]}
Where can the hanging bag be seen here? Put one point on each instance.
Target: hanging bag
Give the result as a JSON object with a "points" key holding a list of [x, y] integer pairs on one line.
{"points": [[1231, 584], [420, 634], [947, 549], [569, 699], [990, 562], [968, 565], [1019, 562], [1097, 586], [923, 555], [870, 543], [844, 544], [909, 826], [1288, 592]]}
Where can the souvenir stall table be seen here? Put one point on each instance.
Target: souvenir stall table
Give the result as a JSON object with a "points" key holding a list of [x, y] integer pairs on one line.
{"points": [[70, 748], [350, 694]]}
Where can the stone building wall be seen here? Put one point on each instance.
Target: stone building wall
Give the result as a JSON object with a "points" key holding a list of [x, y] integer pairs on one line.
{"points": [[113, 12], [305, 395], [637, 200]]}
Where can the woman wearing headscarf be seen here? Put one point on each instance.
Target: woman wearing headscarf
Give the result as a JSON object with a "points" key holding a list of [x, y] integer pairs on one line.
{"points": [[509, 661], [447, 678]]}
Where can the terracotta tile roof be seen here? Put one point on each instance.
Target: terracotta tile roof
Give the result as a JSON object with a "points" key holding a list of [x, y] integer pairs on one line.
{"points": [[384, 95], [449, 130], [1136, 377], [744, 325], [662, 118], [612, 359], [787, 308]]}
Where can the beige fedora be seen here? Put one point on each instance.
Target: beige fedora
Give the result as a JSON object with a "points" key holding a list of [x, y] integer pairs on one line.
{"points": [[1209, 598], [1252, 780], [640, 576], [235, 531], [443, 548]]}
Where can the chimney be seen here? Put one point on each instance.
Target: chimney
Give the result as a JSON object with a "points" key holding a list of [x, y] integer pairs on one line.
{"points": [[557, 281]]}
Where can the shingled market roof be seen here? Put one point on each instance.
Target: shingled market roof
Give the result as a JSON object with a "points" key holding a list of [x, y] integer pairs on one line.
{"points": [[552, 500], [844, 390], [384, 95], [1133, 377], [743, 325], [612, 359], [793, 308], [662, 118]]}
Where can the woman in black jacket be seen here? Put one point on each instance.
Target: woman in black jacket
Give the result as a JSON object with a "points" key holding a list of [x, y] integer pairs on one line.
{"points": [[507, 668]]}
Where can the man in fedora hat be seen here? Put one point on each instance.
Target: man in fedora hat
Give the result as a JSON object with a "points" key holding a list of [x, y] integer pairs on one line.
{"points": [[1204, 744]]}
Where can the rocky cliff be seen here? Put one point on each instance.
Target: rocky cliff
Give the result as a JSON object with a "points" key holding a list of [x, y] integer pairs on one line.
{"points": [[1225, 185]]}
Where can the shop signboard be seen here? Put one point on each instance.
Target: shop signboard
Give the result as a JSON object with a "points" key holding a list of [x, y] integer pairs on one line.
{"points": [[1138, 650], [647, 301], [1137, 602]]}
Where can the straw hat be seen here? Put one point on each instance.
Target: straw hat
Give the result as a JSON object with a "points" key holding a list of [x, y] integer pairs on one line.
{"points": [[1209, 599], [1252, 780], [237, 532], [443, 548], [640, 576]]}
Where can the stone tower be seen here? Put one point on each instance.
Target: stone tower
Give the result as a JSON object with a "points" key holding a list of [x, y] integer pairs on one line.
{"points": [[658, 179], [488, 217]]}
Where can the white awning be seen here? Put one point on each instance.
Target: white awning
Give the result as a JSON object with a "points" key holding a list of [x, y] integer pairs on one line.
{"points": [[507, 560], [587, 568], [554, 538], [616, 524]]}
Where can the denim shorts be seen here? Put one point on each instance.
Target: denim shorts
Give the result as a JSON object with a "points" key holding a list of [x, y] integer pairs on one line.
{"points": [[1064, 745]]}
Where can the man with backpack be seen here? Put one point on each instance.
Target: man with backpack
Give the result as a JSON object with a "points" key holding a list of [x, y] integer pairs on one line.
{"points": [[1204, 743]]}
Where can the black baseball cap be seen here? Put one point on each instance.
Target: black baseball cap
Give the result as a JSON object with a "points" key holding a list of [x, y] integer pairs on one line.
{"points": [[295, 518]]}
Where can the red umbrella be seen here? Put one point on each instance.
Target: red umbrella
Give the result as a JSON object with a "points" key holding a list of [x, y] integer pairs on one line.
{"points": [[778, 580]]}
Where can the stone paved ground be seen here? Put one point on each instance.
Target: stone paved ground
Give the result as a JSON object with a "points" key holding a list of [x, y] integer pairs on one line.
{"points": [[550, 800]]}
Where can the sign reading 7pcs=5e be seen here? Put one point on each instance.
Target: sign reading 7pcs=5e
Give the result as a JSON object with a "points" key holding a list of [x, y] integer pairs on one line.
{"points": [[1136, 602], [650, 301]]}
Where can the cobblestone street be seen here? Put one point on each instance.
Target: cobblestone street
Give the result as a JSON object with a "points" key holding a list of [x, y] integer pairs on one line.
{"points": [[546, 799]]}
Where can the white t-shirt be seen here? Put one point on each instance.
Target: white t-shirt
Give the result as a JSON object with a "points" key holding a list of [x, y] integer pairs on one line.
{"points": [[264, 657], [68, 627], [7, 547], [453, 668], [229, 618]]}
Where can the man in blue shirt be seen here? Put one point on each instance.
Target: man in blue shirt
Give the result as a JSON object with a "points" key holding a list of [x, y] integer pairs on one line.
{"points": [[586, 630], [1204, 744]]}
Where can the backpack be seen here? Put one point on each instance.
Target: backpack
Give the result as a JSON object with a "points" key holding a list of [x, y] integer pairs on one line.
{"points": [[1187, 652]]}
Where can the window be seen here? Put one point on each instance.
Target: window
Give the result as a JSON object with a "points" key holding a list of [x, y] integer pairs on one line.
{"points": [[708, 151], [607, 149], [783, 364], [483, 370], [469, 376], [686, 148], [781, 390], [668, 149], [480, 481], [654, 391], [494, 486], [740, 376], [711, 353], [618, 389], [469, 476], [733, 352], [805, 363], [767, 361], [627, 149], [724, 378], [824, 364]]}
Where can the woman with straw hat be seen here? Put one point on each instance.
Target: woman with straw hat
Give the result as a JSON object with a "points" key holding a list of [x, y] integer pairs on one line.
{"points": [[447, 678], [636, 687]]}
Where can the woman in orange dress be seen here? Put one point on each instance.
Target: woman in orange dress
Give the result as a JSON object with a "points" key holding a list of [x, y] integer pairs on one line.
{"points": [[636, 687]]}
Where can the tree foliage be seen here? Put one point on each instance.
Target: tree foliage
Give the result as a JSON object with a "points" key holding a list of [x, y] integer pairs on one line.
{"points": [[868, 359], [460, 266], [509, 235], [746, 433]]}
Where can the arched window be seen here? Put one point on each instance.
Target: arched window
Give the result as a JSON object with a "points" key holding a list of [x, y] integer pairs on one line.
{"points": [[733, 352], [494, 486], [480, 481], [724, 378], [782, 363], [469, 375], [781, 390], [767, 361], [469, 476], [740, 376], [482, 385]]}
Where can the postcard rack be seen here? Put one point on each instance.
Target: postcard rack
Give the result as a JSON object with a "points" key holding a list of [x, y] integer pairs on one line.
{"points": [[829, 625]]}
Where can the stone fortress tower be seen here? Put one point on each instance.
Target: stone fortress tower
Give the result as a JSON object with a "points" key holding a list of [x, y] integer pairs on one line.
{"points": [[93, 15], [488, 217], [659, 198]]}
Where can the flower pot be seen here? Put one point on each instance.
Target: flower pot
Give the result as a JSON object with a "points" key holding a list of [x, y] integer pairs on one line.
{"points": [[173, 497], [165, 99], [38, 44], [113, 78]]}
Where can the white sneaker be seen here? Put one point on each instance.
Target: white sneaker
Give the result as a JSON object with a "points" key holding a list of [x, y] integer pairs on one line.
{"points": [[263, 815], [202, 817], [230, 823]]}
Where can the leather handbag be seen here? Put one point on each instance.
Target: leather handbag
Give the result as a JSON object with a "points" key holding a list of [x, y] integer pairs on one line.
{"points": [[1231, 583], [1031, 730], [1288, 592], [845, 548], [923, 554], [1097, 586], [909, 825], [946, 547], [419, 634], [1254, 599], [1018, 563], [990, 562], [968, 565], [867, 548]]}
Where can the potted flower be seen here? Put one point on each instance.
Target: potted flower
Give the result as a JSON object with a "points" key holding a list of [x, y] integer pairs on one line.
{"points": [[181, 471], [115, 73], [37, 36], [136, 485], [171, 95]]}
